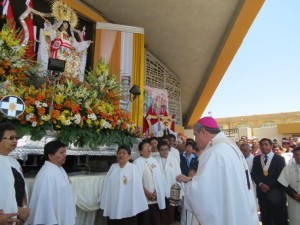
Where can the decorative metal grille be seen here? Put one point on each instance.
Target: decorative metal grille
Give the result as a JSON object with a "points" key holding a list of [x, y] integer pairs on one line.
{"points": [[159, 76]]}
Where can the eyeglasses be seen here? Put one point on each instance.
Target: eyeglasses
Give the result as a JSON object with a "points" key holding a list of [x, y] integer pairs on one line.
{"points": [[12, 138]]}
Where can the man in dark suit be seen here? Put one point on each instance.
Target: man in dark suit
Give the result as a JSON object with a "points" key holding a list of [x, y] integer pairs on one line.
{"points": [[271, 198]]}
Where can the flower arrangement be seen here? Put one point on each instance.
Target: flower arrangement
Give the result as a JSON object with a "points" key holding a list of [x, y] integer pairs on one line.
{"points": [[83, 114], [13, 65]]}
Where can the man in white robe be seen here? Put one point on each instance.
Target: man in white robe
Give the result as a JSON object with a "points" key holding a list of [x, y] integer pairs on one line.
{"points": [[290, 178], [221, 192]]}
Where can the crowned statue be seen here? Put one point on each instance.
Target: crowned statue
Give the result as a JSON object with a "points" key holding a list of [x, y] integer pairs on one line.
{"points": [[58, 41]]}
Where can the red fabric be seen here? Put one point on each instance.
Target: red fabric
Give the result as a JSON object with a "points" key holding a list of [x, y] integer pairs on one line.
{"points": [[9, 16], [173, 123], [153, 121], [29, 21]]}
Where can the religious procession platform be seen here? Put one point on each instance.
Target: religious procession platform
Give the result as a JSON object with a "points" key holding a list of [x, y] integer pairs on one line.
{"points": [[84, 159]]}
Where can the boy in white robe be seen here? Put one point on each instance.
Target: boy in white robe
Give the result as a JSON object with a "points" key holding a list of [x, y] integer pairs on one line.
{"points": [[52, 200], [170, 169], [290, 179]]}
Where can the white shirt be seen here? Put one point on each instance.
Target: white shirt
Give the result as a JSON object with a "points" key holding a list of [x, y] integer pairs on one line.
{"points": [[175, 153], [249, 161]]}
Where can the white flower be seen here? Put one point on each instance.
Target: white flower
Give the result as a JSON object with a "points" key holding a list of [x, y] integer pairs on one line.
{"points": [[92, 116], [29, 116], [105, 124], [76, 118], [38, 104], [45, 117], [34, 124], [44, 104]]}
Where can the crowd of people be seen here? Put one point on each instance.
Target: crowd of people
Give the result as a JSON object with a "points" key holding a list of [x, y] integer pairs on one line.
{"points": [[216, 178], [275, 171]]}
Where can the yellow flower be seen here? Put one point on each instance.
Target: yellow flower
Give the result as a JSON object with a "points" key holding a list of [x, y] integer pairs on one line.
{"points": [[29, 109], [89, 121], [64, 120], [59, 99]]}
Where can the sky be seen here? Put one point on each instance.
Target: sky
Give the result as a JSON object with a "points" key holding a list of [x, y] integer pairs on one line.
{"points": [[264, 76]]}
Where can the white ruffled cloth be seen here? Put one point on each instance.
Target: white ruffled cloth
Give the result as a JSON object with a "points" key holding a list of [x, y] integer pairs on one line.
{"points": [[87, 189]]}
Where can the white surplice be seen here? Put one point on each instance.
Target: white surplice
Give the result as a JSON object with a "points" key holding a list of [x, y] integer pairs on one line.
{"points": [[122, 193], [218, 194], [153, 179], [290, 175], [8, 202], [249, 161], [175, 153], [170, 169], [52, 200]]}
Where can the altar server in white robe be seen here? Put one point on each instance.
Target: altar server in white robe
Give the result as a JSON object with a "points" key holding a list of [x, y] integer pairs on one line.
{"points": [[122, 196], [221, 192], [154, 185], [290, 179], [13, 195], [52, 200], [174, 151], [170, 169]]}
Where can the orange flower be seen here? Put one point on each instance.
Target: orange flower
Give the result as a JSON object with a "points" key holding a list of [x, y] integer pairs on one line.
{"points": [[6, 64], [40, 97], [55, 114], [68, 104], [41, 111], [33, 119], [75, 108], [29, 101], [2, 71], [57, 106], [123, 126]]}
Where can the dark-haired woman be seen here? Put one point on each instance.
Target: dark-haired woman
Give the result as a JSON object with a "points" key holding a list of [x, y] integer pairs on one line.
{"points": [[122, 196], [155, 186], [52, 201]]}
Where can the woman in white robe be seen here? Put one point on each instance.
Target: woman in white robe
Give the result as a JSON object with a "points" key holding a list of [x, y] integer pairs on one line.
{"points": [[52, 200], [13, 195], [122, 196], [154, 186]]}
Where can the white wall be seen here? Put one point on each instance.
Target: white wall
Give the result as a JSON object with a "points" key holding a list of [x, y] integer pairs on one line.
{"points": [[269, 132]]}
